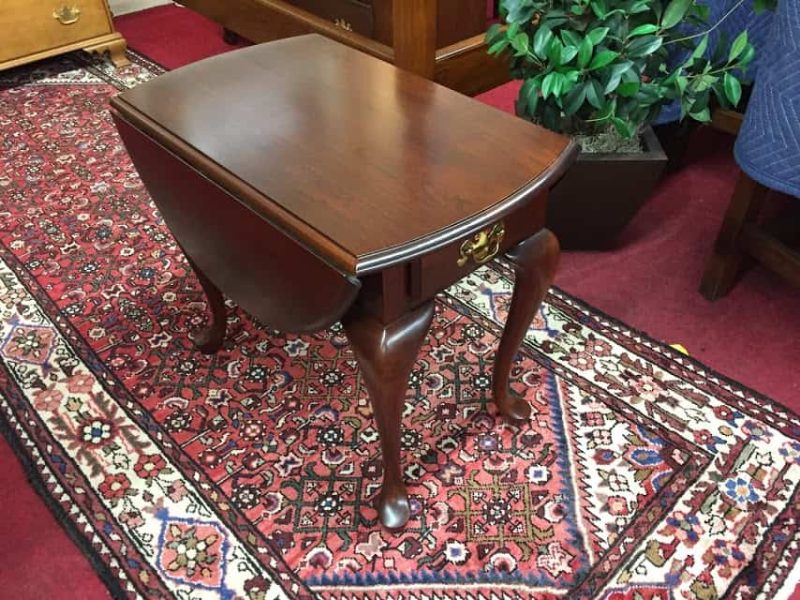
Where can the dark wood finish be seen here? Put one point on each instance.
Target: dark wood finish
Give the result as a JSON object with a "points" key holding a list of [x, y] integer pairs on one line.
{"points": [[349, 15], [439, 269], [226, 240], [447, 33], [727, 120], [675, 138], [725, 264], [458, 20], [386, 354], [535, 261], [383, 31], [772, 253], [741, 236], [268, 20], [423, 182], [589, 208], [387, 294], [210, 339], [414, 30], [467, 67], [455, 20], [337, 186]]}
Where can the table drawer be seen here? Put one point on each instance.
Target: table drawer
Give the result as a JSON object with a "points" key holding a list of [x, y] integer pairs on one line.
{"points": [[347, 14], [440, 269], [30, 27]]}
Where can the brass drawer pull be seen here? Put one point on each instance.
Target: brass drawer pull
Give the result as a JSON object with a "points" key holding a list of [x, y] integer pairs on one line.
{"points": [[67, 15], [343, 24], [484, 246]]}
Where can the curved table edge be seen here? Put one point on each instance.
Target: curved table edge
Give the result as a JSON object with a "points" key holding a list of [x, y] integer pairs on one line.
{"points": [[388, 257]]}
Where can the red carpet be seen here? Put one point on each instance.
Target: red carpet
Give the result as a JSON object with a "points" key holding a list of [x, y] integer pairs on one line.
{"points": [[172, 36], [36, 553], [650, 283]]}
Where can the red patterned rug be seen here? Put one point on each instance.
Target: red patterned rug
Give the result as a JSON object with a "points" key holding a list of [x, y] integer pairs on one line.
{"points": [[251, 473]]}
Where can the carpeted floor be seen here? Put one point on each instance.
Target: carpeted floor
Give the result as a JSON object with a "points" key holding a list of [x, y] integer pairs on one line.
{"points": [[650, 283]]}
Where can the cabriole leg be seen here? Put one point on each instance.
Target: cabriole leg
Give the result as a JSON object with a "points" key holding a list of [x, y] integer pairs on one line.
{"points": [[534, 261], [386, 353]]}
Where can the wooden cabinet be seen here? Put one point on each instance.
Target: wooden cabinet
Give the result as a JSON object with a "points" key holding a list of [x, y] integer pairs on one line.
{"points": [[456, 19], [347, 14], [441, 40], [459, 19], [34, 29]]}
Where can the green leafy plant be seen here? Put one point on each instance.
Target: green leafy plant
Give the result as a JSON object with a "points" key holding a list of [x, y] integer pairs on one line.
{"points": [[590, 66]]}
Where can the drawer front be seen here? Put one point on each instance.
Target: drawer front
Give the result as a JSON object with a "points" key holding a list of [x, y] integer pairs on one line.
{"points": [[347, 14], [30, 27], [438, 270]]}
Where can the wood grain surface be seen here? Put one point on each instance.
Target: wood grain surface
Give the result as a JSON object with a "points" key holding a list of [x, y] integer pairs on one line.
{"points": [[361, 162]]}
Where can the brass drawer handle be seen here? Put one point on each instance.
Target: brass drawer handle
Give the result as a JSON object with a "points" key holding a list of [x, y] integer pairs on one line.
{"points": [[484, 246], [67, 15], [343, 24]]}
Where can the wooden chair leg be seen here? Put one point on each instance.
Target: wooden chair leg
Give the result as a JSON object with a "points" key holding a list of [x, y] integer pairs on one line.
{"points": [[386, 353], [535, 261], [724, 266]]}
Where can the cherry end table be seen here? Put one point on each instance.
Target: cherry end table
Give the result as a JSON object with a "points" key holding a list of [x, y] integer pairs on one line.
{"points": [[312, 184]]}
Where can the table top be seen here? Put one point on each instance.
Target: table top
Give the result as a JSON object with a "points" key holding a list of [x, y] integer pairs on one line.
{"points": [[364, 164]]}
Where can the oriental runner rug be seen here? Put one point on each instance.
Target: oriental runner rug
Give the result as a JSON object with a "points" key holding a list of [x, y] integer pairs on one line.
{"points": [[250, 474]]}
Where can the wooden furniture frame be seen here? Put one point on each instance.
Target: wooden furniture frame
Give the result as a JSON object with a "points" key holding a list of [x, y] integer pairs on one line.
{"points": [[456, 19], [727, 120], [743, 237], [334, 187], [464, 66], [31, 31]]}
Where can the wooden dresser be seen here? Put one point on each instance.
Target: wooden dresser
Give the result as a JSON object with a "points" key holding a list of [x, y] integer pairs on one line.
{"points": [[441, 40], [34, 29], [455, 19]]}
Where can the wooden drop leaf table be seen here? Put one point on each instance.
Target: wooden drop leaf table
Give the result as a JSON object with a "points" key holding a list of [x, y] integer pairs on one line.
{"points": [[312, 184]]}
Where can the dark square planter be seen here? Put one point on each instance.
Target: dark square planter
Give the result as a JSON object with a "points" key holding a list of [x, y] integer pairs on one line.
{"points": [[601, 193]]}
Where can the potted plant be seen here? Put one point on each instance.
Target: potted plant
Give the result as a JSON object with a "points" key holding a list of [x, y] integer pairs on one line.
{"points": [[601, 71]]}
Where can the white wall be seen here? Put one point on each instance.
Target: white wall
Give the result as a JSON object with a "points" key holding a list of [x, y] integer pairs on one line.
{"points": [[121, 7]]}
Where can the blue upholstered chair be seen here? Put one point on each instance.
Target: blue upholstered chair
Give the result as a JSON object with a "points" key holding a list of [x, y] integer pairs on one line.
{"points": [[768, 153]]}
